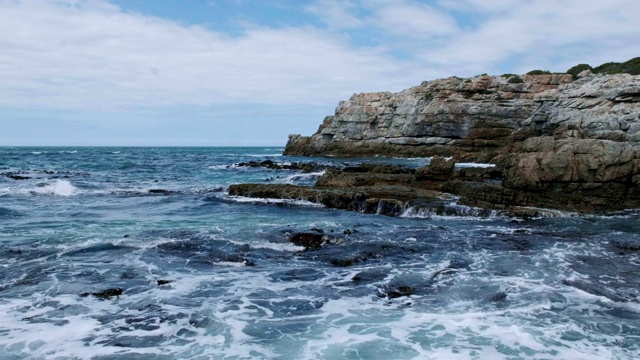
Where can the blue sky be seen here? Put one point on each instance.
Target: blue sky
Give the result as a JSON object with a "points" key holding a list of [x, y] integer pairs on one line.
{"points": [[250, 72]]}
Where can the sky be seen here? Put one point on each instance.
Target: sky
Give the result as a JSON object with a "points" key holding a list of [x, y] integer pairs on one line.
{"points": [[250, 72]]}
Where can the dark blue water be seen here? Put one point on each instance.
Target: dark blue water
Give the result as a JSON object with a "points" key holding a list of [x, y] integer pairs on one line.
{"points": [[84, 221]]}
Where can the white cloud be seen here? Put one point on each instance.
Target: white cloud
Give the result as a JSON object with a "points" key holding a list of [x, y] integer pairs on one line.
{"points": [[338, 14], [545, 31], [480, 5], [89, 54], [410, 19]]}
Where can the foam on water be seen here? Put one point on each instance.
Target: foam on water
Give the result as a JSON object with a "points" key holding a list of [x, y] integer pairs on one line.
{"points": [[293, 179], [54, 187], [223, 167], [474, 165], [451, 210], [244, 199], [235, 287], [552, 212]]}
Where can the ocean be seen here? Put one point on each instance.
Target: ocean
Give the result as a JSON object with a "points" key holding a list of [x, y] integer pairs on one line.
{"points": [[192, 273]]}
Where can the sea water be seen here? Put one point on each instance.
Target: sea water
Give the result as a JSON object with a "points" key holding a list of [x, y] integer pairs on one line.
{"points": [[84, 220]]}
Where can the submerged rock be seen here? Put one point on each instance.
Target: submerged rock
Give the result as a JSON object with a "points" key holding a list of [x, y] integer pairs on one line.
{"points": [[306, 167], [313, 240], [160, 191], [499, 297], [15, 176], [105, 294]]}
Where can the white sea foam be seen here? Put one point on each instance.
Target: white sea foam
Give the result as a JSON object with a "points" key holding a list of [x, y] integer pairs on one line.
{"points": [[243, 199], [223, 167], [289, 247], [55, 187], [461, 212], [292, 179], [552, 213], [474, 165], [262, 155]]}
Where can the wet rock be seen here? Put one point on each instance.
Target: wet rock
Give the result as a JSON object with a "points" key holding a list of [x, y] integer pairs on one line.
{"points": [[15, 176], [159, 191], [626, 246], [313, 240], [557, 143], [384, 200], [498, 297], [162, 282], [443, 272], [348, 261], [406, 285], [402, 290], [128, 274], [595, 289], [105, 294], [439, 169], [305, 167], [371, 275]]}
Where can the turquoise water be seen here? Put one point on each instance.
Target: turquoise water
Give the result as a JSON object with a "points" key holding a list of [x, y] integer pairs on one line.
{"points": [[84, 220]]}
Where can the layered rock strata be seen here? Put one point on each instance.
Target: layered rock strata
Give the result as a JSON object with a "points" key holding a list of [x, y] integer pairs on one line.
{"points": [[395, 191], [557, 142]]}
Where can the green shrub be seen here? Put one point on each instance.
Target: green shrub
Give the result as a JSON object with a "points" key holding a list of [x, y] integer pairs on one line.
{"points": [[632, 66], [608, 68], [578, 69], [508, 75], [628, 67], [539, 72], [515, 79]]}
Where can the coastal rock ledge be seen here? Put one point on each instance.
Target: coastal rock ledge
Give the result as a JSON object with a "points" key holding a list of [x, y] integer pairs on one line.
{"points": [[559, 142]]}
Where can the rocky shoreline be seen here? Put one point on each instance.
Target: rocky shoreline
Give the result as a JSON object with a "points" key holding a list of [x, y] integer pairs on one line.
{"points": [[556, 142]]}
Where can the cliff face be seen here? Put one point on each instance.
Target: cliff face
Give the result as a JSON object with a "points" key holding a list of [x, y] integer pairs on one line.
{"points": [[558, 143], [475, 119]]}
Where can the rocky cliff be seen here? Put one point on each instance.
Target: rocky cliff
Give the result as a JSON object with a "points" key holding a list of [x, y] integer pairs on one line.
{"points": [[476, 118], [558, 142]]}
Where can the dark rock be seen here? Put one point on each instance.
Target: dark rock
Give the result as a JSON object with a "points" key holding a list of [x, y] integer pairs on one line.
{"points": [[348, 261], [499, 297], [447, 271], [128, 274], [15, 176], [163, 282], [313, 241], [439, 169], [402, 290], [557, 143], [159, 191], [370, 275], [105, 294], [626, 246], [305, 167]]}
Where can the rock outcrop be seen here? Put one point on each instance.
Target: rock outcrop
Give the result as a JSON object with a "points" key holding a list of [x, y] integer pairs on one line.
{"points": [[557, 142], [470, 119]]}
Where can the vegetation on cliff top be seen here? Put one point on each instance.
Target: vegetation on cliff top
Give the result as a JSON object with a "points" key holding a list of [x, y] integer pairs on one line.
{"points": [[628, 67]]}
